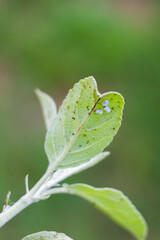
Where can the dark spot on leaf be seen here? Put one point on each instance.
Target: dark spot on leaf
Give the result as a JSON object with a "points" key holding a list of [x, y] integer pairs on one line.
{"points": [[113, 128], [73, 118], [80, 145], [73, 134], [112, 108], [84, 135], [87, 141], [76, 101]]}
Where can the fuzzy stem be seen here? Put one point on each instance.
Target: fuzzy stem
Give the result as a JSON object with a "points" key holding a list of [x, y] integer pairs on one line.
{"points": [[12, 211], [31, 196], [57, 191], [25, 201]]}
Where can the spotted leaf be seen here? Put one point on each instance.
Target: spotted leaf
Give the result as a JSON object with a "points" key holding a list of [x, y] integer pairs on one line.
{"points": [[86, 123], [47, 236]]}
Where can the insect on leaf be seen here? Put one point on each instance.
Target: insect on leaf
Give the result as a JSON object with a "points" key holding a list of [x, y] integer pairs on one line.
{"points": [[114, 204], [47, 236], [86, 123]]}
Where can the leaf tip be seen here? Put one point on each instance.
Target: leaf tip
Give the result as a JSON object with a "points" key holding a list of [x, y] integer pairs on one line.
{"points": [[37, 92]]}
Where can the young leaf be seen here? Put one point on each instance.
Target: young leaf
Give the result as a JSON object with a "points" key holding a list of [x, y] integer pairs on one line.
{"points": [[86, 123], [48, 106], [114, 204], [47, 236], [64, 173]]}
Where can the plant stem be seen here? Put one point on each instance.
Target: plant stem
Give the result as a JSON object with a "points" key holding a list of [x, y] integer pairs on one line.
{"points": [[24, 201], [57, 191], [35, 194], [12, 211]]}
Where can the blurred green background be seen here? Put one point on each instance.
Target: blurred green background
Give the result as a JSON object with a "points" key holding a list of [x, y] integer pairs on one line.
{"points": [[52, 45]]}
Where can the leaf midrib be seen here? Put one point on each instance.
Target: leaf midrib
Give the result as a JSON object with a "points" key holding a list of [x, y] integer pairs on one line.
{"points": [[66, 149]]}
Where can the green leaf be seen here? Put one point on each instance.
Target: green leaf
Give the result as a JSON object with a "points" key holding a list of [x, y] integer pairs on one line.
{"points": [[83, 127], [48, 106], [63, 173], [114, 204], [47, 236]]}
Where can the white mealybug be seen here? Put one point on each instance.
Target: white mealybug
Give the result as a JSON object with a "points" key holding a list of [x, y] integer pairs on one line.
{"points": [[105, 103], [99, 111], [107, 109]]}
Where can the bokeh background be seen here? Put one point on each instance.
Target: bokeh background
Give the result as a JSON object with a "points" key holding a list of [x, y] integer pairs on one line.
{"points": [[51, 45]]}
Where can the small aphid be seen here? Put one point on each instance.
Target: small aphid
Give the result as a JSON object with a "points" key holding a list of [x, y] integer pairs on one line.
{"points": [[105, 103], [107, 109], [99, 111]]}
